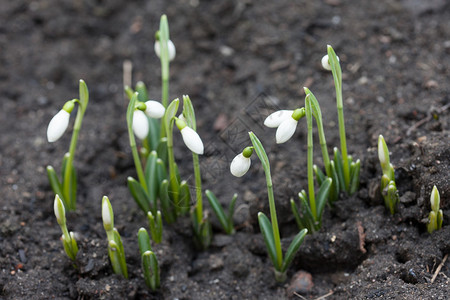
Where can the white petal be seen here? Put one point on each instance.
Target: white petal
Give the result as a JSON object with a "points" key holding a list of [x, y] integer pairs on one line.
{"points": [[192, 140], [286, 130], [171, 47], [154, 109], [240, 165], [275, 119], [57, 126], [140, 124], [182, 118], [325, 62]]}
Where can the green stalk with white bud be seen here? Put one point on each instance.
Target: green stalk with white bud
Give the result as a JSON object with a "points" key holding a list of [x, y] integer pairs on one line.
{"points": [[68, 238], [115, 247], [388, 187], [436, 216], [269, 228], [67, 187]]}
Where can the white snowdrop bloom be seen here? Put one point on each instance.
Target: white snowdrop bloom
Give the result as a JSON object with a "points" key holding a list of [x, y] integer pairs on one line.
{"points": [[154, 109], [325, 62], [275, 119], [171, 47], [286, 130], [58, 125], [240, 165], [192, 140], [60, 212], [140, 124]]}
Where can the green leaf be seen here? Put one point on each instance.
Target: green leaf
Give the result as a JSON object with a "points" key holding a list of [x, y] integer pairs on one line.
{"points": [[335, 67], [161, 149], [315, 107], [320, 177], [55, 184], [293, 248], [307, 215], [334, 191], [84, 95], [339, 168], [144, 241], [163, 42], [297, 217], [218, 210], [185, 197], [142, 91], [170, 113], [129, 92], [432, 222], [259, 149], [121, 253], [153, 136], [151, 270], [139, 194], [189, 113], [354, 179], [130, 110], [322, 196], [266, 230], [152, 180], [231, 213], [167, 212]]}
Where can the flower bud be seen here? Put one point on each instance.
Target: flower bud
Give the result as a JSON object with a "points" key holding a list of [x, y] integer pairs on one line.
{"points": [[240, 165], [60, 212], [140, 124], [58, 125], [192, 140], [435, 199], [154, 109], [326, 62], [107, 214], [171, 48]]}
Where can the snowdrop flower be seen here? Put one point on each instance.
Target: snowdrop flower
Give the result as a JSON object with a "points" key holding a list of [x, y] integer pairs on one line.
{"points": [[190, 138], [241, 163], [275, 119], [326, 62], [171, 47], [140, 124], [154, 109], [59, 123], [287, 128]]}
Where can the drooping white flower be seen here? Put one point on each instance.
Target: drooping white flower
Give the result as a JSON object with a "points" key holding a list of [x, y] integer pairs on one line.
{"points": [[240, 165], [58, 125], [192, 140], [140, 124], [171, 48], [286, 130], [154, 109], [275, 119], [326, 63]]}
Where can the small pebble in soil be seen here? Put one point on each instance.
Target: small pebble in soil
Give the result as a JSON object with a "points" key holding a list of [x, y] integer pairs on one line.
{"points": [[22, 256], [301, 283]]}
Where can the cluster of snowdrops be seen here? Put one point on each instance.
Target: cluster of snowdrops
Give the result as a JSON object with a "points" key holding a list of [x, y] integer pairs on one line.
{"points": [[162, 194]]}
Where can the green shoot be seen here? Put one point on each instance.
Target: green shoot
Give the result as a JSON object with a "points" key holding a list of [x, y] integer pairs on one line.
{"points": [[225, 219], [68, 239], [388, 187], [156, 227], [436, 215], [115, 247], [149, 261]]}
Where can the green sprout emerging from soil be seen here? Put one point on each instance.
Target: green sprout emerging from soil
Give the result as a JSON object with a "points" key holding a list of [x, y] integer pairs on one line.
{"points": [[436, 216], [149, 261], [269, 228], [67, 187], [388, 187], [68, 238]]}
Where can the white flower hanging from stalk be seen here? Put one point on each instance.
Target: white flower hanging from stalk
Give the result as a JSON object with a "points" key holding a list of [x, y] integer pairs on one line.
{"points": [[326, 62], [241, 163], [171, 48], [275, 119], [190, 138], [140, 124], [154, 109], [59, 123]]}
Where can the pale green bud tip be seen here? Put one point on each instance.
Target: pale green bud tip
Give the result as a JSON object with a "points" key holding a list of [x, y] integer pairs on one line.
{"points": [[191, 139], [298, 113], [142, 229], [181, 123], [383, 153], [141, 106], [107, 214], [58, 125], [247, 152], [140, 124], [435, 199], [69, 106], [240, 164], [60, 212]]}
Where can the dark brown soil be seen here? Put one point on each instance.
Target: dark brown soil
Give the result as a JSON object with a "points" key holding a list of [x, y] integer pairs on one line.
{"points": [[238, 60]]}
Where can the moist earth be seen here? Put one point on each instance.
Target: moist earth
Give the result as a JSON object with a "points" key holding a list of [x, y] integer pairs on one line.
{"points": [[239, 61]]}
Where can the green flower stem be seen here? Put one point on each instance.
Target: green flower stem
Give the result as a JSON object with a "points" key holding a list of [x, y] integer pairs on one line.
{"points": [[134, 151], [163, 37], [198, 189], [273, 213], [312, 200], [337, 76]]}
